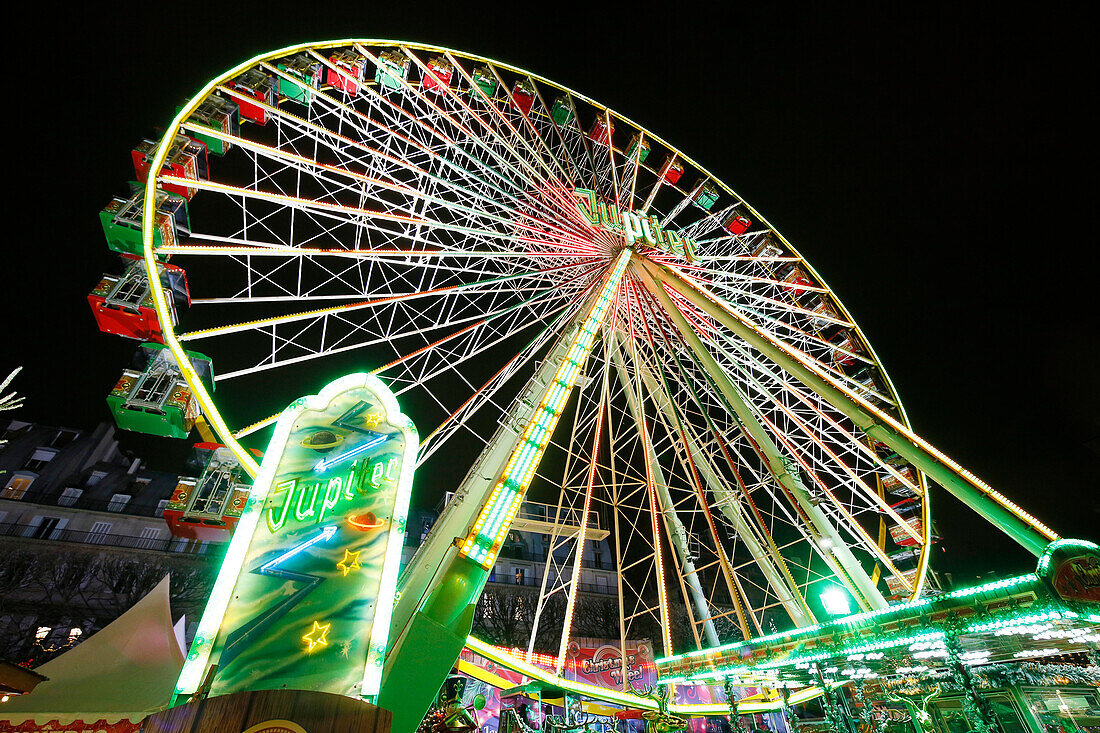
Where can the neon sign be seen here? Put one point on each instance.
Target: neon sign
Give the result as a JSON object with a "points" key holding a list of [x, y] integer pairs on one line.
{"points": [[362, 478], [303, 599], [633, 227]]}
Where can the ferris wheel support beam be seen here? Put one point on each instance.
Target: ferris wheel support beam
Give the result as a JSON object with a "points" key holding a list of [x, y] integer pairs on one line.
{"points": [[435, 610], [832, 548], [729, 504], [994, 507], [677, 533]]}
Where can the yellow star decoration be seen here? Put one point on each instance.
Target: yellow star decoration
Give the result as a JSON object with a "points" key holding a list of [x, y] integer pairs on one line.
{"points": [[371, 419], [320, 640], [350, 561]]}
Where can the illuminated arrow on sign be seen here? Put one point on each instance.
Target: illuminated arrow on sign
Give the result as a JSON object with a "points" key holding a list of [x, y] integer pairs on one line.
{"points": [[326, 463], [268, 568], [241, 638]]}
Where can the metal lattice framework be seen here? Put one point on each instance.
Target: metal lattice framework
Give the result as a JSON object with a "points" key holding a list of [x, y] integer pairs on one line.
{"points": [[415, 210]]}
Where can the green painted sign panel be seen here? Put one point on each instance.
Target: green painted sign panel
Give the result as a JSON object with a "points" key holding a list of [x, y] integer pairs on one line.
{"points": [[305, 594]]}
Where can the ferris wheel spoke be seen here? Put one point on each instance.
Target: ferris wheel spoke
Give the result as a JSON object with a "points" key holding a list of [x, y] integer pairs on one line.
{"points": [[752, 371], [847, 521], [473, 288], [384, 275], [635, 163], [532, 183], [561, 203], [839, 557], [722, 277], [846, 437], [682, 449], [560, 174], [329, 345], [756, 535], [483, 395], [354, 216], [513, 325], [546, 119], [369, 156], [801, 338], [696, 601], [433, 259], [785, 307], [309, 165]]}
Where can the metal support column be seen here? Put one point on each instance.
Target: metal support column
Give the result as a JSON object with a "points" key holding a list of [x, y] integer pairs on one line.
{"points": [[433, 630], [993, 506], [677, 534], [730, 505], [832, 548]]}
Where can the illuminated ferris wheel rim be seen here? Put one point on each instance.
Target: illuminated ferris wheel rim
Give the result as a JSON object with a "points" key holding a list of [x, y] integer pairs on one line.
{"points": [[210, 409], [723, 295]]}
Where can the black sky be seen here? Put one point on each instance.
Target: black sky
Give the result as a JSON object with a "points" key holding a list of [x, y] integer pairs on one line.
{"points": [[934, 166]]}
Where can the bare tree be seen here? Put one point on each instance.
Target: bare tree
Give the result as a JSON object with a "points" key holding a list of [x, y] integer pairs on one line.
{"points": [[17, 573], [125, 581]]}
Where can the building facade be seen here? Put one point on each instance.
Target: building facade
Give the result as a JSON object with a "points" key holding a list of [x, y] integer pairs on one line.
{"points": [[82, 538]]}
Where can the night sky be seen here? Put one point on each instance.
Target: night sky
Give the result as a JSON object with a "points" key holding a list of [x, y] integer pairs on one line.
{"points": [[931, 166]]}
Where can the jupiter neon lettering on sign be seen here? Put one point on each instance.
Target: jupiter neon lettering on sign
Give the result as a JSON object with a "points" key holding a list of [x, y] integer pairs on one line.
{"points": [[633, 227]]}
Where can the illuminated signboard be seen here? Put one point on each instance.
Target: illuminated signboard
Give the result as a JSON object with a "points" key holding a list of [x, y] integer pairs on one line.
{"points": [[305, 594], [634, 228]]}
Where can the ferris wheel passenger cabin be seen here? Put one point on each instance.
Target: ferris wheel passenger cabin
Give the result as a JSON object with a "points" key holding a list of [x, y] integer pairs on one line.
{"points": [[210, 495], [305, 76], [796, 281], [737, 223], [523, 97], [153, 397], [220, 115], [123, 304], [896, 486], [392, 69], [439, 77], [186, 159], [485, 81], [639, 146], [561, 111], [705, 196], [350, 70], [601, 131], [121, 220], [672, 170], [256, 85]]}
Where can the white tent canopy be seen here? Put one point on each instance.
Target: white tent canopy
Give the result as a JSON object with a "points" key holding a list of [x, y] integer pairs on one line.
{"points": [[126, 670]]}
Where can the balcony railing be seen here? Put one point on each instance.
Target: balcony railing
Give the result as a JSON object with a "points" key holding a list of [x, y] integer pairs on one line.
{"points": [[174, 545], [510, 580]]}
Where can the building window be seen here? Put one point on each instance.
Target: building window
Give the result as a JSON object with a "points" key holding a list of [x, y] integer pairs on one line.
{"points": [[141, 484], [99, 532], [45, 529], [118, 502], [161, 506], [17, 486], [190, 547], [149, 538], [521, 576], [63, 438], [39, 459], [69, 496], [96, 477]]}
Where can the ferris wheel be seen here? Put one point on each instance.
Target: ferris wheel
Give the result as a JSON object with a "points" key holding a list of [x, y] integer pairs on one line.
{"points": [[520, 263]]}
